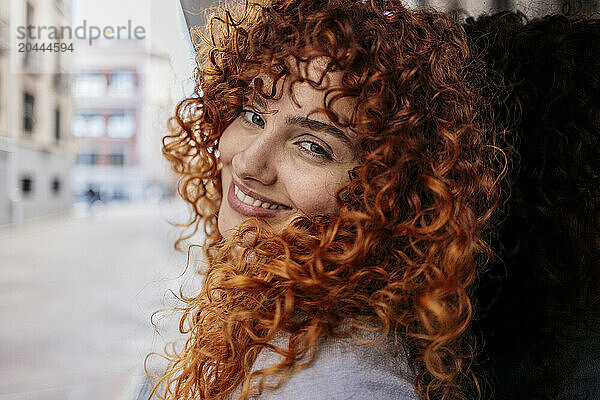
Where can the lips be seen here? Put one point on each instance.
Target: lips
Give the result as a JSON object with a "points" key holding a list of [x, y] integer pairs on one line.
{"points": [[251, 204]]}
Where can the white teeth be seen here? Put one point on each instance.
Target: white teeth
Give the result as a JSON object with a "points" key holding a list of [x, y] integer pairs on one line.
{"points": [[254, 202]]}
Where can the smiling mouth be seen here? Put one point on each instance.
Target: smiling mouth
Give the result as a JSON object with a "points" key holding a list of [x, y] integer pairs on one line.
{"points": [[251, 201]]}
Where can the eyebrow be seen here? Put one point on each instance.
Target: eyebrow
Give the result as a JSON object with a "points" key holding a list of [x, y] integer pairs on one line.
{"points": [[318, 126], [307, 123]]}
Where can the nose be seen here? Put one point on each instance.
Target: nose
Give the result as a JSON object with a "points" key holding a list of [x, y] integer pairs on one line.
{"points": [[256, 161]]}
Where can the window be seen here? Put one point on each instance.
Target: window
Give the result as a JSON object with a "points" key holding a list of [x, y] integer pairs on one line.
{"points": [[122, 84], [28, 112], [117, 159], [121, 125], [78, 126], [88, 125], [87, 159], [57, 124], [89, 85], [26, 186], [55, 186]]}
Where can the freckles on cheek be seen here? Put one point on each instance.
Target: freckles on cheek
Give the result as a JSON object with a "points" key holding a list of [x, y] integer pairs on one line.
{"points": [[317, 197]]}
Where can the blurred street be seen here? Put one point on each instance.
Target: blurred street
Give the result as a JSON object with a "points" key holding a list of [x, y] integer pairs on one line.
{"points": [[76, 296]]}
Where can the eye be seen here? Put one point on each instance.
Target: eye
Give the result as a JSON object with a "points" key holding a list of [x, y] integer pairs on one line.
{"points": [[252, 118], [314, 150]]}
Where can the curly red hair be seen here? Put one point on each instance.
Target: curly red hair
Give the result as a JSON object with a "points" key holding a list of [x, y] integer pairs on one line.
{"points": [[405, 247], [548, 283]]}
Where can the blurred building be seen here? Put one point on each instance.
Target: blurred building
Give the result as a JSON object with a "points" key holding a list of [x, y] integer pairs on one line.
{"points": [[35, 109], [532, 8], [121, 91]]}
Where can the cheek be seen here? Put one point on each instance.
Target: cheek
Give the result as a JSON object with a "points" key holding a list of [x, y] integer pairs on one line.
{"points": [[317, 194], [227, 146]]}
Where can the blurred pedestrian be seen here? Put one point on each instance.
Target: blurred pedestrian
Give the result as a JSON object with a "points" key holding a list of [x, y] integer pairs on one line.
{"points": [[92, 196]]}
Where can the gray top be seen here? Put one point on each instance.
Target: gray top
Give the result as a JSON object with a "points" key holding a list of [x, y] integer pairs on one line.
{"points": [[344, 369]]}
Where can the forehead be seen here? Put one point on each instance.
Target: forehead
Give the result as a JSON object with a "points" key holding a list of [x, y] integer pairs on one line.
{"points": [[310, 87]]}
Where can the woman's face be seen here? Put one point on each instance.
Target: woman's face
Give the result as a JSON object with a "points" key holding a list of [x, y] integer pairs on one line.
{"points": [[277, 166]]}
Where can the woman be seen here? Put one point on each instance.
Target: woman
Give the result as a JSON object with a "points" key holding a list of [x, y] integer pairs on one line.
{"points": [[336, 158]]}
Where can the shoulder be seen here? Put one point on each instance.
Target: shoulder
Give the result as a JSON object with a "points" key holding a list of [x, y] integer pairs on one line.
{"points": [[345, 369]]}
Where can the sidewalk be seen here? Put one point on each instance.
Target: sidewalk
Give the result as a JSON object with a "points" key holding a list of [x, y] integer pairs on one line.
{"points": [[76, 297]]}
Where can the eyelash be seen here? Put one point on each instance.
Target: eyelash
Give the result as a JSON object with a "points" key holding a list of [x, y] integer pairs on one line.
{"points": [[321, 156], [250, 123]]}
